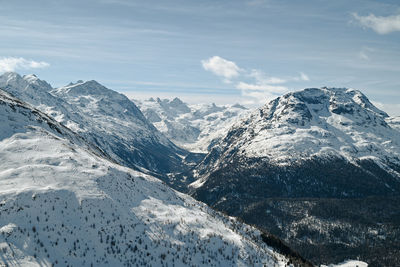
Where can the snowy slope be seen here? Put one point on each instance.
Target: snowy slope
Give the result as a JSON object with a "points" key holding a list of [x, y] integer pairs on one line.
{"points": [[320, 121], [31, 89], [62, 203], [193, 127], [348, 263], [103, 117]]}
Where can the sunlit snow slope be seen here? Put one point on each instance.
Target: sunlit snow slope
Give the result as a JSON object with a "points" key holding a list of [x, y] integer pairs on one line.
{"points": [[62, 203]]}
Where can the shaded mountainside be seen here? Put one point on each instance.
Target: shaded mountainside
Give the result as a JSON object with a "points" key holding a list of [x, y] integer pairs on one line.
{"points": [[332, 230], [103, 117], [316, 177], [327, 143], [63, 203]]}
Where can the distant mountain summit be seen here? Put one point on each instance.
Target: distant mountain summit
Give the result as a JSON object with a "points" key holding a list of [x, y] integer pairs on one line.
{"points": [[24, 83], [316, 144], [193, 127], [103, 117]]}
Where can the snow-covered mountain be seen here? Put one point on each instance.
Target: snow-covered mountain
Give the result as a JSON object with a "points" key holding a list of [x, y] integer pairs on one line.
{"points": [[326, 143], [193, 127], [63, 203], [325, 125], [103, 117]]}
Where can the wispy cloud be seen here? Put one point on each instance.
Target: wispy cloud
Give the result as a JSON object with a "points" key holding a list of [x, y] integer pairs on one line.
{"points": [[253, 84], [364, 53], [261, 87], [221, 67], [15, 63], [259, 93], [381, 25], [303, 77], [262, 78]]}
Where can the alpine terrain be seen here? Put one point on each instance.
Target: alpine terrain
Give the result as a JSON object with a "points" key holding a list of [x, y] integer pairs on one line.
{"points": [[320, 168], [64, 203], [103, 117], [193, 127]]}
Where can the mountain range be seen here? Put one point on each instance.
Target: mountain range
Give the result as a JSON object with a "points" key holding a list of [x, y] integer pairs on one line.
{"points": [[65, 202], [317, 170], [194, 127]]}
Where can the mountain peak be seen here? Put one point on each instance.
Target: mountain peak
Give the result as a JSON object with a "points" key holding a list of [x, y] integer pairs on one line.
{"points": [[10, 74], [10, 77], [341, 100], [33, 76], [26, 82], [81, 88], [91, 83], [35, 81], [301, 107], [173, 107], [237, 105], [176, 101]]}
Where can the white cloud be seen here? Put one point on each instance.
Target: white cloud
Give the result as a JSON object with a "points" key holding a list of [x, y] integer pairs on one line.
{"points": [[13, 63], [259, 93], [221, 67], [257, 97], [381, 25], [363, 54], [261, 77], [261, 87], [304, 77], [254, 85]]}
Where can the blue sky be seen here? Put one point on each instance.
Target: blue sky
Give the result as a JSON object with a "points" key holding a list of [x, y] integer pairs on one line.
{"points": [[208, 51]]}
